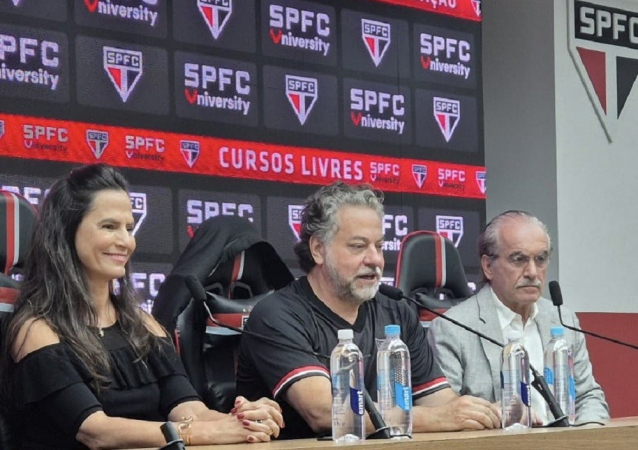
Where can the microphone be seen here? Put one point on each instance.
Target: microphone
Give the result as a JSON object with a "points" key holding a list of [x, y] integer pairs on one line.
{"points": [[557, 300], [381, 430], [539, 382], [173, 441]]}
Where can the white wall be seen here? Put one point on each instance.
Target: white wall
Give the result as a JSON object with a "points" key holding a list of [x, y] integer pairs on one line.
{"points": [[518, 92], [597, 187], [546, 152]]}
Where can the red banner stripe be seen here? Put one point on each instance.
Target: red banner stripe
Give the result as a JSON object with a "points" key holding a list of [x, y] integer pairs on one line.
{"points": [[462, 9], [66, 141]]}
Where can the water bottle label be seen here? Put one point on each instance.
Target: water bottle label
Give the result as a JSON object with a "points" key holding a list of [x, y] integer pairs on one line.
{"points": [[526, 394], [549, 375], [572, 388], [403, 396], [356, 401]]}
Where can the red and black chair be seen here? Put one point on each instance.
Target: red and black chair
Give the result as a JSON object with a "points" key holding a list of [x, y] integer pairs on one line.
{"points": [[237, 269], [16, 222], [429, 268]]}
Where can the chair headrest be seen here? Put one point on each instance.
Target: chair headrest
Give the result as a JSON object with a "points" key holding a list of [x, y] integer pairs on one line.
{"points": [[240, 278], [428, 260], [17, 216]]}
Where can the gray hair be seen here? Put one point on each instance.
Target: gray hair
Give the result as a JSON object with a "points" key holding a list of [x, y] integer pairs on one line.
{"points": [[319, 215], [488, 240]]}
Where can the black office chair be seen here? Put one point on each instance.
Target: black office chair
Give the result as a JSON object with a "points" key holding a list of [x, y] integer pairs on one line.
{"points": [[237, 269], [16, 222], [429, 267]]}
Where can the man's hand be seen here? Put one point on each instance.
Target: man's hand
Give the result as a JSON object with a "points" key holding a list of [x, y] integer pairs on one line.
{"points": [[470, 413]]}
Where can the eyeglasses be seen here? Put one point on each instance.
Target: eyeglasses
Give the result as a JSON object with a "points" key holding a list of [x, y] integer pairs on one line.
{"points": [[520, 260]]}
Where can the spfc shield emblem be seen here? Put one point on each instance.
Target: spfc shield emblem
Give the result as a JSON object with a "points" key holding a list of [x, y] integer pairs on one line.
{"points": [[302, 95], [476, 5], [419, 173], [124, 68], [138, 205], [97, 142], [376, 38], [602, 44], [216, 14], [447, 113], [190, 151], [480, 180], [450, 227], [294, 219]]}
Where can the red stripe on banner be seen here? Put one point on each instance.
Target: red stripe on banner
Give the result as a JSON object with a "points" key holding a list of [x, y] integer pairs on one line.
{"points": [[66, 141], [10, 210], [461, 9]]}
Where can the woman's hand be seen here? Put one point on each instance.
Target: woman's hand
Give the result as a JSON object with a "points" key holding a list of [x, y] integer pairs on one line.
{"points": [[266, 413], [228, 430]]}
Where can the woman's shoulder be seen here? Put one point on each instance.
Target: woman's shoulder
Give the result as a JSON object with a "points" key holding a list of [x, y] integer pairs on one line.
{"points": [[33, 334], [152, 324]]}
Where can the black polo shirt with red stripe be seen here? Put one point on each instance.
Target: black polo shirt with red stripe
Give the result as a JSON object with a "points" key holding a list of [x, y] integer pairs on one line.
{"points": [[300, 332]]}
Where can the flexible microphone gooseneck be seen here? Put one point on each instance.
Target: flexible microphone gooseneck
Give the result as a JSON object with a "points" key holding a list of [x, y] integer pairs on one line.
{"points": [[381, 430], [557, 300], [539, 382], [173, 441]]}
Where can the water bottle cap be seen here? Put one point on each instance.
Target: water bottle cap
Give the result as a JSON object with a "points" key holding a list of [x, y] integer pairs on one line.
{"points": [[345, 334], [392, 330], [556, 331]]}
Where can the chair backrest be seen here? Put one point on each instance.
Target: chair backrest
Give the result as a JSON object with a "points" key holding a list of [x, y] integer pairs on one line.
{"points": [[17, 216], [430, 266], [208, 351]]}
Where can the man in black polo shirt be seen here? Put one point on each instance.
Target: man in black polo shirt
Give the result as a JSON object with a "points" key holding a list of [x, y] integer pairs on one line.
{"points": [[340, 248]]}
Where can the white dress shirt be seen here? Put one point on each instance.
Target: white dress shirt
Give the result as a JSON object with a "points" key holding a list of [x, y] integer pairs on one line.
{"points": [[512, 322]]}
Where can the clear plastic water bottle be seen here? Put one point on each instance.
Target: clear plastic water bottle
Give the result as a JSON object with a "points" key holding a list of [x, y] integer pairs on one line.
{"points": [[394, 383], [346, 372], [515, 386], [559, 372]]}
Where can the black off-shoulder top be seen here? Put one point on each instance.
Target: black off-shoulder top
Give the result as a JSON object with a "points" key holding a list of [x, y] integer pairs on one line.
{"points": [[53, 395]]}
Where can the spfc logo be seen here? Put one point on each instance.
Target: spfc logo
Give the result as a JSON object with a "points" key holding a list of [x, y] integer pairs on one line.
{"points": [[294, 219], [302, 95], [602, 43], [124, 68], [450, 227], [447, 113], [97, 141], [216, 14], [476, 4], [1, 128], [419, 173], [480, 180], [376, 38], [190, 151], [138, 205]]}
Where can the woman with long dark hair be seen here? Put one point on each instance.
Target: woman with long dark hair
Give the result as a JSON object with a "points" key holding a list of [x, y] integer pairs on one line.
{"points": [[84, 366]]}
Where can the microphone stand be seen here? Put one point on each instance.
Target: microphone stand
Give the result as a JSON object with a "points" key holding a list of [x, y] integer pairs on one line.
{"points": [[557, 300], [381, 429], [173, 440], [539, 382]]}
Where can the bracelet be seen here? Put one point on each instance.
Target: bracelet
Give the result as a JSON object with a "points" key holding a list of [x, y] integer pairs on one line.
{"points": [[184, 429]]}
